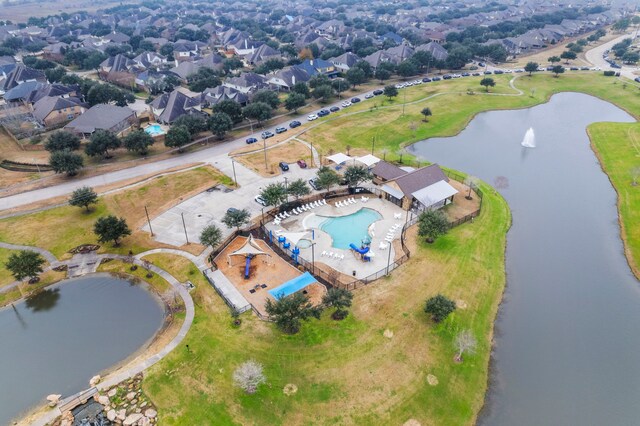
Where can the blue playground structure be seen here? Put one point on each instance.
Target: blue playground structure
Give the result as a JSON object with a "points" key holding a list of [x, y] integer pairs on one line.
{"points": [[247, 265], [362, 251]]}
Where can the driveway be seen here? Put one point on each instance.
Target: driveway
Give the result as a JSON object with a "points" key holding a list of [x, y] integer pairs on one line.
{"points": [[595, 57]]}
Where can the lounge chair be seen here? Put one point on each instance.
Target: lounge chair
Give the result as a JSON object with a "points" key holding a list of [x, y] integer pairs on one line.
{"points": [[352, 200], [286, 214], [330, 254], [317, 204], [382, 246], [324, 202], [336, 204], [324, 253], [336, 256], [342, 257]]}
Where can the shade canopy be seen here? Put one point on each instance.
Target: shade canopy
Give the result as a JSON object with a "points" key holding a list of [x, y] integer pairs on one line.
{"points": [[396, 193], [249, 248], [292, 286], [339, 158], [434, 194], [368, 160]]}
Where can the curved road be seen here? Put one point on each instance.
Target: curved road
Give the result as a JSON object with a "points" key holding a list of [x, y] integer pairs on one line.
{"points": [[595, 56]]}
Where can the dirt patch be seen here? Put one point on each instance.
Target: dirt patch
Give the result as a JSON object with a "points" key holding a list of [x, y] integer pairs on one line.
{"points": [[432, 380], [411, 422], [289, 152], [388, 334], [290, 389]]}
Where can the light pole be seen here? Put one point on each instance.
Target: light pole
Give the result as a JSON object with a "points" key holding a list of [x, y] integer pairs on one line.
{"points": [[404, 102], [389, 258], [251, 124], [148, 220], [235, 179], [185, 228], [264, 143], [313, 259], [373, 144], [286, 188]]}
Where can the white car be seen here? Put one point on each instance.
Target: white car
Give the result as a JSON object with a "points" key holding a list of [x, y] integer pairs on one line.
{"points": [[312, 117], [346, 104], [368, 96], [399, 86]]}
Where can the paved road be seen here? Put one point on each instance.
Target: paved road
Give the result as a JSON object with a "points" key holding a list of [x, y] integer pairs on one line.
{"points": [[595, 56]]}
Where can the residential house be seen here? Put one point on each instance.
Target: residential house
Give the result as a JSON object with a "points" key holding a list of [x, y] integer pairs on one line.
{"points": [[262, 54], [218, 94], [103, 117], [150, 60], [247, 82], [20, 74], [345, 61], [169, 106], [53, 111], [318, 66], [438, 52], [286, 78]]}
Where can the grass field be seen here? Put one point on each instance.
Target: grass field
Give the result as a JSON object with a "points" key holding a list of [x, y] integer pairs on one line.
{"points": [[348, 372]]}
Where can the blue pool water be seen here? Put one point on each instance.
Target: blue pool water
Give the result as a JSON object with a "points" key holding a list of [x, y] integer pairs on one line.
{"points": [[154, 130], [352, 228]]}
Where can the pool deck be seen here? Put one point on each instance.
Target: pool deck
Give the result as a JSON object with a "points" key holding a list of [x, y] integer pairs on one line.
{"points": [[323, 241]]}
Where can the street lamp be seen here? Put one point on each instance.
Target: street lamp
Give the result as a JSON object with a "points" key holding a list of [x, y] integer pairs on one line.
{"points": [[389, 258], [286, 188], [264, 143], [235, 179], [313, 259]]}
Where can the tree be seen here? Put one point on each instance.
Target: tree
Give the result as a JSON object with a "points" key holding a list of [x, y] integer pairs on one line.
{"points": [[248, 376], [194, 123], [432, 224], [356, 76], [465, 342], [83, 197], [323, 92], [554, 59], [294, 101], [631, 57], [302, 88], [426, 112], [487, 82], [439, 307], [61, 140], [101, 142], [568, 55], [177, 137], [269, 97], [274, 194], [354, 175], [219, 124], [408, 68], [531, 67], [298, 188], [382, 74], [25, 264], [390, 91], [235, 217], [211, 236], [138, 141], [327, 178], [289, 312], [258, 111], [557, 69], [55, 75], [231, 108], [364, 66], [111, 228], [66, 162], [339, 299]]}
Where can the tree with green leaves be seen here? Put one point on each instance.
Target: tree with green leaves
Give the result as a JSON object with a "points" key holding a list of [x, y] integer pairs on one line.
{"points": [[231, 108], [439, 307], [327, 178], [432, 224], [274, 194], [236, 218], [355, 76], [568, 55], [194, 123], [267, 96], [531, 67], [138, 141], [355, 175], [487, 82], [294, 101], [220, 123], [407, 68], [298, 188], [258, 111], [289, 312], [554, 59], [111, 228], [382, 74], [66, 162], [177, 137], [324, 92], [557, 70], [101, 142], [302, 88], [340, 299], [211, 236], [25, 264], [390, 91], [426, 112], [83, 197], [61, 140]]}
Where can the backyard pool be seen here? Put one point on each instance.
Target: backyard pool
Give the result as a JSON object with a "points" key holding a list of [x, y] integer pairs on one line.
{"points": [[154, 130], [352, 228]]}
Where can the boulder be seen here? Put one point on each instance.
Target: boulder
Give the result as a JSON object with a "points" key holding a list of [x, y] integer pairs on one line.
{"points": [[111, 415], [151, 413], [131, 395], [132, 419], [122, 414], [144, 422], [112, 393], [53, 399], [95, 380], [103, 399]]}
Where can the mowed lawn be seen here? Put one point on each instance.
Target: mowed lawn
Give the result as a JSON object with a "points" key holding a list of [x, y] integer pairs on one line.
{"points": [[62, 228], [348, 372], [618, 148]]}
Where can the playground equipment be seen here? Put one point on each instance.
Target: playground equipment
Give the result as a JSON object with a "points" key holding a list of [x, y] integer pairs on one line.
{"points": [[362, 251], [249, 250]]}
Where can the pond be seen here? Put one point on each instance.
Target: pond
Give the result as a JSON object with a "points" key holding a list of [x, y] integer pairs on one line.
{"points": [[56, 341], [567, 339]]}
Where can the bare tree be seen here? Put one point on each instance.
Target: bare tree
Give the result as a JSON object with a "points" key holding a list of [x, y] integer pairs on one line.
{"points": [[465, 342], [635, 175], [413, 126], [472, 183], [248, 376]]}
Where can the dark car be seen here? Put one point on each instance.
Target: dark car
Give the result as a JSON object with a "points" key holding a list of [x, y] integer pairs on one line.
{"points": [[283, 166], [447, 77], [481, 64], [549, 68], [267, 134], [294, 124], [436, 79], [498, 72], [251, 140], [334, 109], [426, 80], [323, 113], [302, 164], [584, 68], [232, 210], [314, 184], [281, 130], [465, 74], [488, 72], [378, 92], [637, 79], [355, 100], [614, 65], [476, 74], [574, 68]]}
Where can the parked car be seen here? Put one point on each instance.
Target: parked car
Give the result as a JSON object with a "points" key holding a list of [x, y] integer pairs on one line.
{"points": [[447, 77], [436, 79], [481, 64], [258, 199], [584, 68], [312, 117], [498, 72], [399, 86], [426, 80], [295, 124], [314, 184], [283, 166], [281, 130], [476, 74], [378, 92], [355, 100], [465, 74], [368, 96], [574, 68], [346, 104], [323, 113], [251, 140], [232, 210], [267, 134], [637, 79], [302, 164], [334, 109], [487, 72]]}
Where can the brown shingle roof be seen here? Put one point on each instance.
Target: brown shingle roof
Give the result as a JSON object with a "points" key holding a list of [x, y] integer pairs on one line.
{"points": [[387, 171], [421, 178]]}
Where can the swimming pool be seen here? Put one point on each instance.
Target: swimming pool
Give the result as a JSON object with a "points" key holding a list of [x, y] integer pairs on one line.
{"points": [[353, 228], [154, 130]]}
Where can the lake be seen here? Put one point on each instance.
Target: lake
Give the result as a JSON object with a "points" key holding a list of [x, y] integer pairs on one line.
{"points": [[567, 341], [56, 341]]}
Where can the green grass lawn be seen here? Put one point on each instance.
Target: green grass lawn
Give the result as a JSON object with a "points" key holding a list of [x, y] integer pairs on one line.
{"points": [[348, 372], [5, 275]]}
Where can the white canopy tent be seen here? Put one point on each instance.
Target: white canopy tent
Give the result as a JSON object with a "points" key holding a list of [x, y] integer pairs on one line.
{"points": [[249, 248], [435, 194], [368, 160], [339, 158]]}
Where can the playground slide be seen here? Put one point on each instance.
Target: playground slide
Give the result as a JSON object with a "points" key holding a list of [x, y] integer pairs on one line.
{"points": [[246, 267], [359, 250]]}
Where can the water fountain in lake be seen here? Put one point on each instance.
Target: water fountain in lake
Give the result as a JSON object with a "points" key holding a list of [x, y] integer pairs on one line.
{"points": [[529, 140]]}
